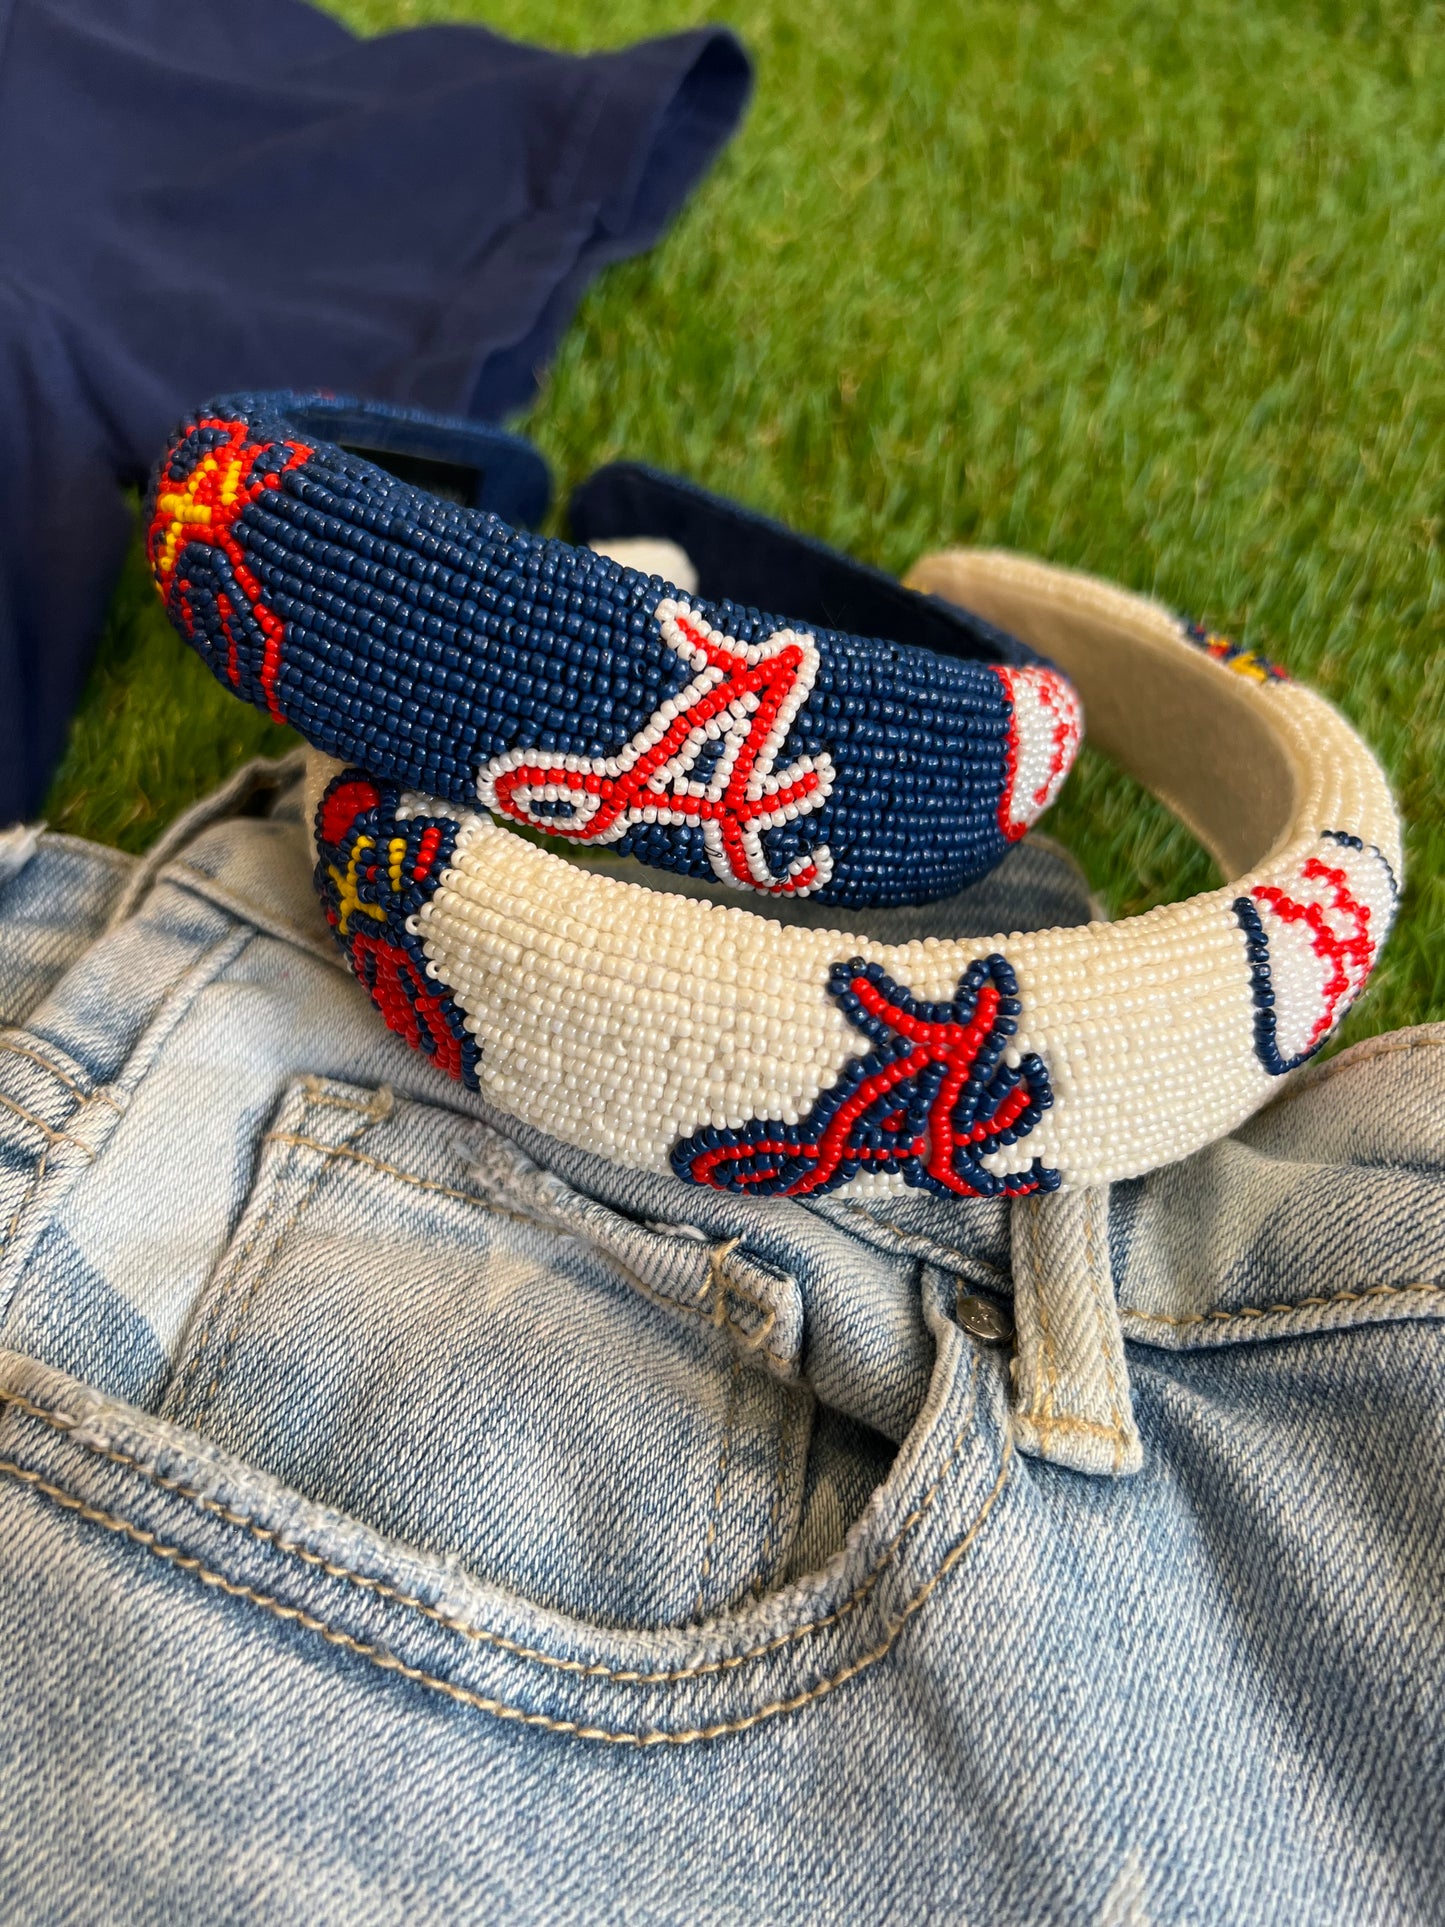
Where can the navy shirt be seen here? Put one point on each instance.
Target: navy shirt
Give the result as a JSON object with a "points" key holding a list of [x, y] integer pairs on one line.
{"points": [[210, 195]]}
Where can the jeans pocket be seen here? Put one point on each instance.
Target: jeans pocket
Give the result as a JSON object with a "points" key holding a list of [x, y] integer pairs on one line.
{"points": [[415, 1327]]}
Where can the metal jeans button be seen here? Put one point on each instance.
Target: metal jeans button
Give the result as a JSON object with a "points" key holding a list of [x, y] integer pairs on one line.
{"points": [[984, 1320]]}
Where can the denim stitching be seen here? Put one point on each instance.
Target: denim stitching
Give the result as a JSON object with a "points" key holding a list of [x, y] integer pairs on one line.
{"points": [[47, 1131], [60, 1076], [185, 1397], [918, 1244], [377, 1105], [499, 1709], [1300, 1304], [1101, 1323], [720, 1287], [1065, 1422], [595, 1669], [753, 1340]]}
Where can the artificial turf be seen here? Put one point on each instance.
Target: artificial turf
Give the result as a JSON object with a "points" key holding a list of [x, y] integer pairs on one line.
{"points": [[1146, 289]]}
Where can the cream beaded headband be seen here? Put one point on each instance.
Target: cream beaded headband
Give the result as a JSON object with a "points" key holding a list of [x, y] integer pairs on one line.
{"points": [[743, 1052]]}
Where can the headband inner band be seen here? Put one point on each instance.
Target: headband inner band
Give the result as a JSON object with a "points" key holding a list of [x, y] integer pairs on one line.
{"points": [[751, 561], [1200, 741]]}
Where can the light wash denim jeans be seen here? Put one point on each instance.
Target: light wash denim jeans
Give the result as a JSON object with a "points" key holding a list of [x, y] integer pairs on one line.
{"points": [[403, 1517]]}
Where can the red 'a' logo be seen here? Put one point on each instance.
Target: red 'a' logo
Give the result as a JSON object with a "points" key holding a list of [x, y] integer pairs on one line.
{"points": [[707, 757], [941, 1092]]}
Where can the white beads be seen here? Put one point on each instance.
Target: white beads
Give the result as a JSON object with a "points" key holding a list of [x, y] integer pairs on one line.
{"points": [[624, 1019], [1047, 726]]}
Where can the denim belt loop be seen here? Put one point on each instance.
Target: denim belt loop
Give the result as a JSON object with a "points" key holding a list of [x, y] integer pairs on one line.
{"points": [[1071, 1382]]}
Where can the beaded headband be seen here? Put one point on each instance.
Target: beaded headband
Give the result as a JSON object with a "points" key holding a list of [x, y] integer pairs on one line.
{"points": [[764, 1057], [445, 651]]}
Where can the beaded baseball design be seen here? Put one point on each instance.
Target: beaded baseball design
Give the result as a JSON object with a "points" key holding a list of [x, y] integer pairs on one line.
{"points": [[1312, 943], [669, 1033], [444, 651]]}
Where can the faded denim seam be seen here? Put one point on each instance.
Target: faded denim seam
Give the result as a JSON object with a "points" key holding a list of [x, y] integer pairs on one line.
{"points": [[1042, 1414], [1102, 1323], [262, 774], [87, 1096], [29, 1194], [50, 1134], [919, 1244], [719, 1479], [717, 1274], [170, 1008], [755, 1584], [199, 883], [500, 1709], [203, 967], [1365, 1052], [589, 1669], [186, 1396], [1424, 1288]]}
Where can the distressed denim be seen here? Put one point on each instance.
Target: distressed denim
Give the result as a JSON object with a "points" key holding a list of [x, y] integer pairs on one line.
{"points": [[405, 1517]]}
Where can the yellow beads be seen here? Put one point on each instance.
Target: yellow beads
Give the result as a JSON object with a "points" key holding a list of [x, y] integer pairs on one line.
{"points": [[216, 478]]}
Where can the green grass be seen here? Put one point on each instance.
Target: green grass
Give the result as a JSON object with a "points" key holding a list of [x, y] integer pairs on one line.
{"points": [[1150, 290]]}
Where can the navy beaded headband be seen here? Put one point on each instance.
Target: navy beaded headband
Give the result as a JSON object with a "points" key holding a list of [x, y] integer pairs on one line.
{"points": [[435, 645]]}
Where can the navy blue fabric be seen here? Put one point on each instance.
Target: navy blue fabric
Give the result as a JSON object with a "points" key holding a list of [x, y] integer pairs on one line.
{"points": [[467, 462], [235, 193], [752, 561]]}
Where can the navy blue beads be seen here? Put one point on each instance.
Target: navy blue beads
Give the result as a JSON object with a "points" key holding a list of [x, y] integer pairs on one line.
{"points": [[438, 648]]}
